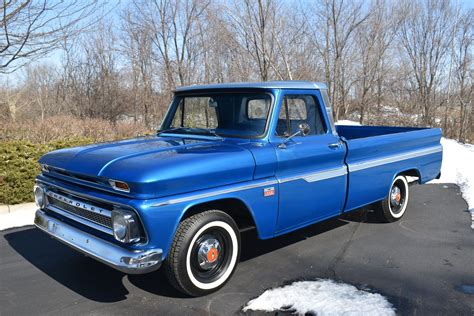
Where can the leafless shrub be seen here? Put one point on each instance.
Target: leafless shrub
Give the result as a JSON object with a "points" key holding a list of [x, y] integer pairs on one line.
{"points": [[64, 127]]}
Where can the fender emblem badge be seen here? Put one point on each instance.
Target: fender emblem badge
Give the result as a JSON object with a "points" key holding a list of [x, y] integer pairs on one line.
{"points": [[269, 191]]}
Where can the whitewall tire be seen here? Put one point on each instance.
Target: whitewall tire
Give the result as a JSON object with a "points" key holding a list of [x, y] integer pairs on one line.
{"points": [[204, 253], [394, 206]]}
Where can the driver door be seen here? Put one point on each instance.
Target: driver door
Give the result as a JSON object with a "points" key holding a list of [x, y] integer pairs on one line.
{"points": [[310, 169]]}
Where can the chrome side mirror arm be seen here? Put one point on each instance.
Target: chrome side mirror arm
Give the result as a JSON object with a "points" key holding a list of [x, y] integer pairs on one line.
{"points": [[303, 130]]}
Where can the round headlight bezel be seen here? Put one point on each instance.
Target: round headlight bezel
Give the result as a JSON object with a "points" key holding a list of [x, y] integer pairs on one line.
{"points": [[40, 197], [125, 226], [119, 228]]}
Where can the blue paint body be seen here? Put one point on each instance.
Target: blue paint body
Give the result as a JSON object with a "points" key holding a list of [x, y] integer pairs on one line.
{"points": [[168, 175]]}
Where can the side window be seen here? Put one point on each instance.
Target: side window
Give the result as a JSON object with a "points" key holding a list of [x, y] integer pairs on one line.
{"points": [[297, 109], [257, 109]]}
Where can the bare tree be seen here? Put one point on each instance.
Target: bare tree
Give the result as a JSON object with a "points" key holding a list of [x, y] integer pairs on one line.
{"points": [[40, 86], [464, 72], [333, 28], [224, 55], [173, 25], [31, 29], [13, 102], [137, 47], [425, 33], [385, 62], [254, 25], [372, 43]]}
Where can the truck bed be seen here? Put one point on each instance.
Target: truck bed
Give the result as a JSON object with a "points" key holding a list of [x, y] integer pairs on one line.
{"points": [[376, 153], [356, 131]]}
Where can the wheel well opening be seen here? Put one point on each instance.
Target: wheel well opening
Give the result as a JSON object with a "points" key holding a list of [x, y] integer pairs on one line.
{"points": [[233, 207], [413, 175]]}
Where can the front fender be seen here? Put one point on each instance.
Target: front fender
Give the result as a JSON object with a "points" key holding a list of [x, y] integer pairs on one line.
{"points": [[161, 217]]}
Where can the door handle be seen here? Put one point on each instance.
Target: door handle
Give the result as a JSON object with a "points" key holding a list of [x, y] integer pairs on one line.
{"points": [[334, 145]]}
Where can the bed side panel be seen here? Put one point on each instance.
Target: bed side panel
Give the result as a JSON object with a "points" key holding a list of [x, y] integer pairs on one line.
{"points": [[374, 162]]}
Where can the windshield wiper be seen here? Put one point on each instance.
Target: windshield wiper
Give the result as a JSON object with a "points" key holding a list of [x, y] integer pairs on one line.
{"points": [[190, 130], [205, 131], [170, 130]]}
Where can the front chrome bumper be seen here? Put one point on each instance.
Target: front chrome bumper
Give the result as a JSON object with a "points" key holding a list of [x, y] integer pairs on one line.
{"points": [[128, 261]]}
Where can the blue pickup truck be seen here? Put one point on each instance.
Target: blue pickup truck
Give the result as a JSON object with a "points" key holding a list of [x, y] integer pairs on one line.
{"points": [[228, 157]]}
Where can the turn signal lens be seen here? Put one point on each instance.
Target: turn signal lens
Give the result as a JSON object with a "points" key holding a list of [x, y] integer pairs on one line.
{"points": [[119, 185]]}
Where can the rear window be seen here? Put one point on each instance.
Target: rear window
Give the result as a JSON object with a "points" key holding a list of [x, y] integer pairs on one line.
{"points": [[257, 109]]}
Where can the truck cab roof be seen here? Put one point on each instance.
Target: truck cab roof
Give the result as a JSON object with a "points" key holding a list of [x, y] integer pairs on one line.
{"points": [[294, 84]]}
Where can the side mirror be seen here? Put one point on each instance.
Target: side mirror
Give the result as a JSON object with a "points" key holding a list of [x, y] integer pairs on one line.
{"points": [[303, 130]]}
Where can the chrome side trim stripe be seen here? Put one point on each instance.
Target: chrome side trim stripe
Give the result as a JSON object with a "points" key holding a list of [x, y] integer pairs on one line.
{"points": [[317, 176], [218, 192], [308, 177], [395, 158]]}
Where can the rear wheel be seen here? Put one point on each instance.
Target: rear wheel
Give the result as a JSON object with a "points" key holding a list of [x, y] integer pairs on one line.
{"points": [[204, 253], [393, 207]]}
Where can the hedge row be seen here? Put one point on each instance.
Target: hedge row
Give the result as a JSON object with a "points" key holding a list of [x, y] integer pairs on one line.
{"points": [[19, 166]]}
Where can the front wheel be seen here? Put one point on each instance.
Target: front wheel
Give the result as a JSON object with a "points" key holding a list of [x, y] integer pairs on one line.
{"points": [[393, 207], [204, 253]]}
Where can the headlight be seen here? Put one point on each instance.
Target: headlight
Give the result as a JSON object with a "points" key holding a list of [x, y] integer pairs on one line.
{"points": [[39, 196], [126, 227]]}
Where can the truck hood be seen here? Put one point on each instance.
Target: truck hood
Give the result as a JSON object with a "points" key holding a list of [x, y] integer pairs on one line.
{"points": [[154, 166]]}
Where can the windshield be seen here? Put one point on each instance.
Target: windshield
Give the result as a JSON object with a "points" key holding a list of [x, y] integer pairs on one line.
{"points": [[219, 114]]}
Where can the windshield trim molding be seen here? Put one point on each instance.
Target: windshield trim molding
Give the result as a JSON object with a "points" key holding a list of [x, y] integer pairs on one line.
{"points": [[174, 104], [190, 135]]}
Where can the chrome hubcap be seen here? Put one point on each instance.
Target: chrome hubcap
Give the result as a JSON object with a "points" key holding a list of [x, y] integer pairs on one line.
{"points": [[208, 253], [395, 196]]}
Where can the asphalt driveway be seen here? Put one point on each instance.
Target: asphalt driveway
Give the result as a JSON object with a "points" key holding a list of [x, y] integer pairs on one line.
{"points": [[420, 264]]}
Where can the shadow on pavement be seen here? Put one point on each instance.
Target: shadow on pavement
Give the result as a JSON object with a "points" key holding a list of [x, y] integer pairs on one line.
{"points": [[252, 247], [100, 283], [83, 275], [364, 214]]}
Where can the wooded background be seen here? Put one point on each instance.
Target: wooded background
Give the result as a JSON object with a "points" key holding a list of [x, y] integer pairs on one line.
{"points": [[93, 68]]}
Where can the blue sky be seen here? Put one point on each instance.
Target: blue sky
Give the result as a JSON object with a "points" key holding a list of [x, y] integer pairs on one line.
{"points": [[114, 9]]}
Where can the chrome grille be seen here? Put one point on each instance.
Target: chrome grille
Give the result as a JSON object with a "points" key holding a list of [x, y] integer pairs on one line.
{"points": [[80, 208], [97, 218]]}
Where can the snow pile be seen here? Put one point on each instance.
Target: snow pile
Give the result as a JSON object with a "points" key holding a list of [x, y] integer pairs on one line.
{"points": [[347, 122], [458, 168], [18, 215], [321, 297]]}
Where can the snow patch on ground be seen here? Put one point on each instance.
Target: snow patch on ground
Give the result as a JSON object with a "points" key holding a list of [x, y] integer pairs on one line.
{"points": [[458, 168], [321, 297], [17, 215]]}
